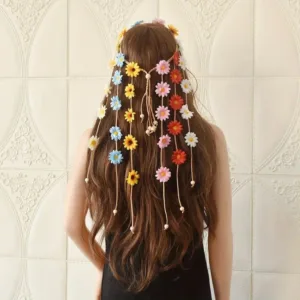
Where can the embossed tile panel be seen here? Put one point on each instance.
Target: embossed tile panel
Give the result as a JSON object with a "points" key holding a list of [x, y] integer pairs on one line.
{"points": [[241, 285], [82, 280], [276, 42], [276, 138], [234, 58], [47, 56], [46, 279], [276, 224], [11, 57], [242, 232], [230, 102], [53, 67], [276, 286], [11, 274]]}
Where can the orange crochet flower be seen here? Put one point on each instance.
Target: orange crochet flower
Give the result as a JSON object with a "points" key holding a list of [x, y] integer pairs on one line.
{"points": [[178, 157], [174, 127], [176, 76], [176, 102], [173, 29], [176, 57]]}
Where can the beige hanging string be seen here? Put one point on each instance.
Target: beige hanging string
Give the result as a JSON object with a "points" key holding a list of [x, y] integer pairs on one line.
{"points": [[191, 148], [166, 226], [131, 166], [116, 165], [177, 166], [151, 122]]}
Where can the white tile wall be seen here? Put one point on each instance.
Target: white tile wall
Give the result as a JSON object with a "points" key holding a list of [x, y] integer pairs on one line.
{"points": [[53, 63]]}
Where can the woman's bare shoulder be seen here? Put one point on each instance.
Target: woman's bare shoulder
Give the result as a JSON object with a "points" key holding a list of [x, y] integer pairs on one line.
{"points": [[219, 135], [86, 134]]}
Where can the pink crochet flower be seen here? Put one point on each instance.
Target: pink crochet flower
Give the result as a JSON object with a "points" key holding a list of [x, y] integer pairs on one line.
{"points": [[164, 141], [163, 67], [159, 21], [163, 174], [162, 89], [162, 113]]}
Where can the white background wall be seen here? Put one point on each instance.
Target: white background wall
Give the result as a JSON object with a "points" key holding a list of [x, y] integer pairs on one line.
{"points": [[53, 66]]}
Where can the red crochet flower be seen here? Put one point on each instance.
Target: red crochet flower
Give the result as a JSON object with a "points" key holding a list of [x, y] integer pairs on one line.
{"points": [[176, 57], [178, 157], [176, 102], [176, 76], [174, 127]]}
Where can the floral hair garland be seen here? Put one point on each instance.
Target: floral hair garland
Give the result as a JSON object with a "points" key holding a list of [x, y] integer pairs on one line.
{"points": [[176, 69]]}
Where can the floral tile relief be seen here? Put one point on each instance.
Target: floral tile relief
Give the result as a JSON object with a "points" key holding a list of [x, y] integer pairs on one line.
{"points": [[26, 192], [290, 194], [26, 14]]}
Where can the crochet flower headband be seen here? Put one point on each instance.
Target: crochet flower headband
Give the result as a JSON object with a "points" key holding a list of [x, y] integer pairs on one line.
{"points": [[162, 114]]}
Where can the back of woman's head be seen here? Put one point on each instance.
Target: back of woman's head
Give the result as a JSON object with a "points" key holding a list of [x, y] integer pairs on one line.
{"points": [[166, 218]]}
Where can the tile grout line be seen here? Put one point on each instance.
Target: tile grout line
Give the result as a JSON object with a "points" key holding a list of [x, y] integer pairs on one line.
{"points": [[67, 137], [253, 129]]}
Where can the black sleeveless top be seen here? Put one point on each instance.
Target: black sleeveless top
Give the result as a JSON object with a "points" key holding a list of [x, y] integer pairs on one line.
{"points": [[190, 283]]}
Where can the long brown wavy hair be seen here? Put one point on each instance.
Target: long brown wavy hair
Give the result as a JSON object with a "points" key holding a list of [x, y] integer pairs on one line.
{"points": [[136, 259]]}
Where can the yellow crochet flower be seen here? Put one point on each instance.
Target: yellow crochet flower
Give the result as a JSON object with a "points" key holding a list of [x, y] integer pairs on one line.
{"points": [[93, 142], [133, 177], [130, 142], [122, 33], [173, 29], [129, 115], [129, 91], [112, 63], [132, 69], [107, 90]]}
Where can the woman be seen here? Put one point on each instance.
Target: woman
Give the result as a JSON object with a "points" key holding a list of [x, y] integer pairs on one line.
{"points": [[154, 175]]}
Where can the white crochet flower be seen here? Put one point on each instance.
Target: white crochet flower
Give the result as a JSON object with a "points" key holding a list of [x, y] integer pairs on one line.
{"points": [[191, 139], [93, 142], [101, 112], [180, 45], [185, 112], [182, 63], [186, 86]]}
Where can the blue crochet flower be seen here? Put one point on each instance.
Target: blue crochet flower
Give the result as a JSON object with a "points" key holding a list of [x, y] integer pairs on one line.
{"points": [[137, 23], [120, 59], [115, 133], [115, 157], [117, 77], [115, 103]]}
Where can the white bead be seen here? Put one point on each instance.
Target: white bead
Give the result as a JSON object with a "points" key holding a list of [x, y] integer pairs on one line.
{"points": [[155, 123], [192, 183], [166, 226], [152, 128], [147, 132], [142, 116], [132, 229], [115, 212], [86, 180], [148, 76], [182, 209]]}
